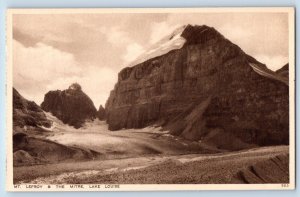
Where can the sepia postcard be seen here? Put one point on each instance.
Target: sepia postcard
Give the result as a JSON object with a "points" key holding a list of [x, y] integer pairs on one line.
{"points": [[149, 99]]}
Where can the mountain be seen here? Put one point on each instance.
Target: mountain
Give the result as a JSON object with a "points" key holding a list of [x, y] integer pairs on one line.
{"points": [[284, 71], [72, 106], [202, 87], [101, 113], [27, 113]]}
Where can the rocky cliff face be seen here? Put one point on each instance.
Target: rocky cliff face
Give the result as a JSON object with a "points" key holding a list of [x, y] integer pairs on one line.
{"points": [[207, 90], [27, 113], [72, 106]]}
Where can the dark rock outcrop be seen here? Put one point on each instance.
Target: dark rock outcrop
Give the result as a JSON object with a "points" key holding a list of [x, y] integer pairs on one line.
{"points": [[72, 106], [27, 113], [101, 113], [208, 90]]}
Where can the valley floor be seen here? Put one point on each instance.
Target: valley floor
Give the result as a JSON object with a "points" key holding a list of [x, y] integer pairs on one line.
{"points": [[150, 156]]}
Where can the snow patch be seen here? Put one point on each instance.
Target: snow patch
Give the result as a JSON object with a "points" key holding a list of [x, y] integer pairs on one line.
{"points": [[149, 129], [111, 170], [134, 168], [165, 45]]}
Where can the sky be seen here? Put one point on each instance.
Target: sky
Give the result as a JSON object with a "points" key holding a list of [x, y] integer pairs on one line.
{"points": [[52, 51]]}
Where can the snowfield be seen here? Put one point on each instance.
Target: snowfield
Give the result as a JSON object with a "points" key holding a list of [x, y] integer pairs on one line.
{"points": [[165, 45], [94, 135]]}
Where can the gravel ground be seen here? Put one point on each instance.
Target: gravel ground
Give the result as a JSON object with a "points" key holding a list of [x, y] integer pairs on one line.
{"points": [[259, 165]]}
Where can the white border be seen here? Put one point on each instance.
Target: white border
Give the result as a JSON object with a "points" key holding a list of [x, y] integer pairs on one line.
{"points": [[153, 187]]}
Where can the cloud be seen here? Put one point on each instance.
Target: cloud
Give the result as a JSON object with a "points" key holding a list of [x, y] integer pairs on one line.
{"points": [[42, 62], [121, 39], [39, 69], [33, 67], [116, 36], [236, 34], [160, 30], [133, 51]]}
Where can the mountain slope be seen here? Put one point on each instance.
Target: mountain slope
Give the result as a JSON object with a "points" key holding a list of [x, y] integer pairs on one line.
{"points": [[242, 103], [284, 71], [27, 113]]}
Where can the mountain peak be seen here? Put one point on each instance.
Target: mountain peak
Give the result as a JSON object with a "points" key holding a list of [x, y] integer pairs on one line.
{"points": [[181, 36], [72, 106], [197, 34], [75, 86]]}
